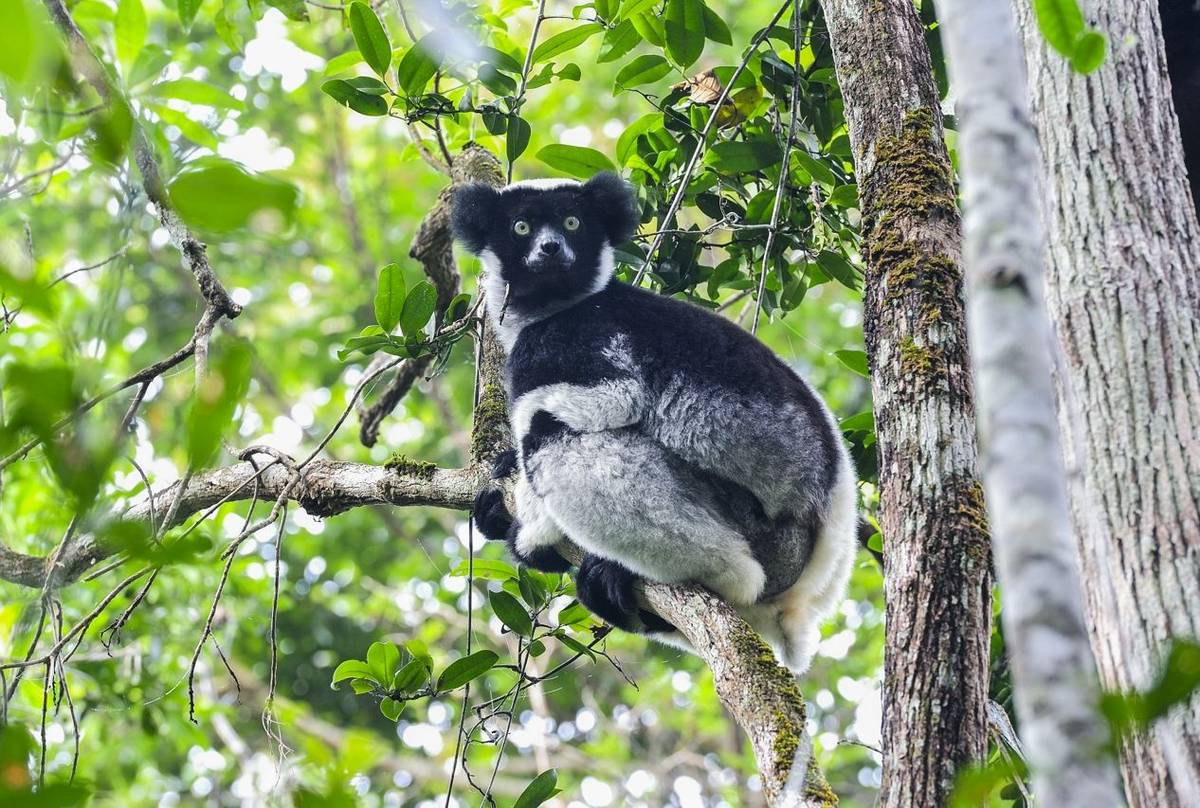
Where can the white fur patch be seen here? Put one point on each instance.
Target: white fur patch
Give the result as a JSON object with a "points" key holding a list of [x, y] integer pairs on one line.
{"points": [[537, 529], [608, 405], [542, 184]]}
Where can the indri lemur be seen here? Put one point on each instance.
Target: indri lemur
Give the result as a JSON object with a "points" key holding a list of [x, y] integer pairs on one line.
{"points": [[661, 438]]}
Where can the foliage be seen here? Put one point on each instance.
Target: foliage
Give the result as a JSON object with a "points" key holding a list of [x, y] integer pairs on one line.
{"points": [[296, 140]]}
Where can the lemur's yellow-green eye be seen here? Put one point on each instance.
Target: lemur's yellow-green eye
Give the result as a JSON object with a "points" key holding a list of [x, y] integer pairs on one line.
{"points": [[521, 227], [571, 223]]}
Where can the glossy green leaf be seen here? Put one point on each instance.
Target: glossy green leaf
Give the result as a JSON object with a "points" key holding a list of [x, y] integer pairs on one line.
{"points": [[351, 669], [1061, 23], [383, 658], [618, 41], [739, 156], [486, 569], [543, 787], [370, 37], [837, 267], [417, 67], [642, 70], [511, 612], [390, 292], [715, 27], [391, 708], [461, 671], [517, 141], [685, 30], [412, 676], [1090, 49], [418, 308], [129, 30], [215, 194], [578, 161], [186, 9], [346, 94], [565, 41], [855, 361]]}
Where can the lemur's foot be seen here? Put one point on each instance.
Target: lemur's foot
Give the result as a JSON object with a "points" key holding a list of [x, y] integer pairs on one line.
{"points": [[546, 559], [606, 589], [492, 516], [653, 624], [504, 464]]}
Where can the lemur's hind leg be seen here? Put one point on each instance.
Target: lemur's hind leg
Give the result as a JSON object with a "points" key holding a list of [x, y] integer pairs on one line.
{"points": [[532, 522]]}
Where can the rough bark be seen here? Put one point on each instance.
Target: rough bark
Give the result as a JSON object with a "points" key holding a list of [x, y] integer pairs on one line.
{"points": [[1124, 296], [936, 564], [1056, 686]]}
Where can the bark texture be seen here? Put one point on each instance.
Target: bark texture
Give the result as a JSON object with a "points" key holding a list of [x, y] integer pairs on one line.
{"points": [[1056, 687], [936, 564], [1124, 298]]}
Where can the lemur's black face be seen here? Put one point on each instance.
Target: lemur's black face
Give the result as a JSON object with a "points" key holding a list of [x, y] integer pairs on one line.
{"points": [[549, 239]]}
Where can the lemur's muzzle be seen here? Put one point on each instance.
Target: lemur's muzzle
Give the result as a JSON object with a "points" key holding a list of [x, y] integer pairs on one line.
{"points": [[549, 251]]}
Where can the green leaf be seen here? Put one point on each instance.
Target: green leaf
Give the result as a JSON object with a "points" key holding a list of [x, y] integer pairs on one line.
{"points": [[1090, 50], [129, 30], [193, 130], [389, 296], [743, 156], [369, 36], [1061, 23], [417, 66], [350, 96], [391, 708], [418, 308], [518, 137], [383, 658], [573, 614], [216, 398], [575, 645], [486, 569], [568, 40], [511, 612], [542, 788], [196, 92], [863, 421], [500, 60], [533, 591], [187, 12], [578, 161], [412, 676], [837, 267], [715, 27], [215, 194], [650, 28], [149, 65], [461, 671], [342, 63], [351, 669], [618, 41], [627, 142], [642, 70], [855, 361], [294, 10], [844, 196], [816, 169], [685, 30]]}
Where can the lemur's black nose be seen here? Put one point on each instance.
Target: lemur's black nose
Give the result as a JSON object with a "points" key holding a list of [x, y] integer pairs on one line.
{"points": [[551, 247]]}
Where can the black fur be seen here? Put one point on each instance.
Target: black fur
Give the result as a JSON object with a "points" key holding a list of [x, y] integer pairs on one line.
{"points": [[607, 589], [497, 524]]}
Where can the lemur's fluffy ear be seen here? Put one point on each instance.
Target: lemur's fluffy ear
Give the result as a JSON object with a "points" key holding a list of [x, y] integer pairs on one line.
{"points": [[471, 213], [615, 205]]}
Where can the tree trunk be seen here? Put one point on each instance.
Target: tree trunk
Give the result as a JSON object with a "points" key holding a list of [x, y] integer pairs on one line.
{"points": [[936, 563], [1124, 298], [1056, 688]]}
